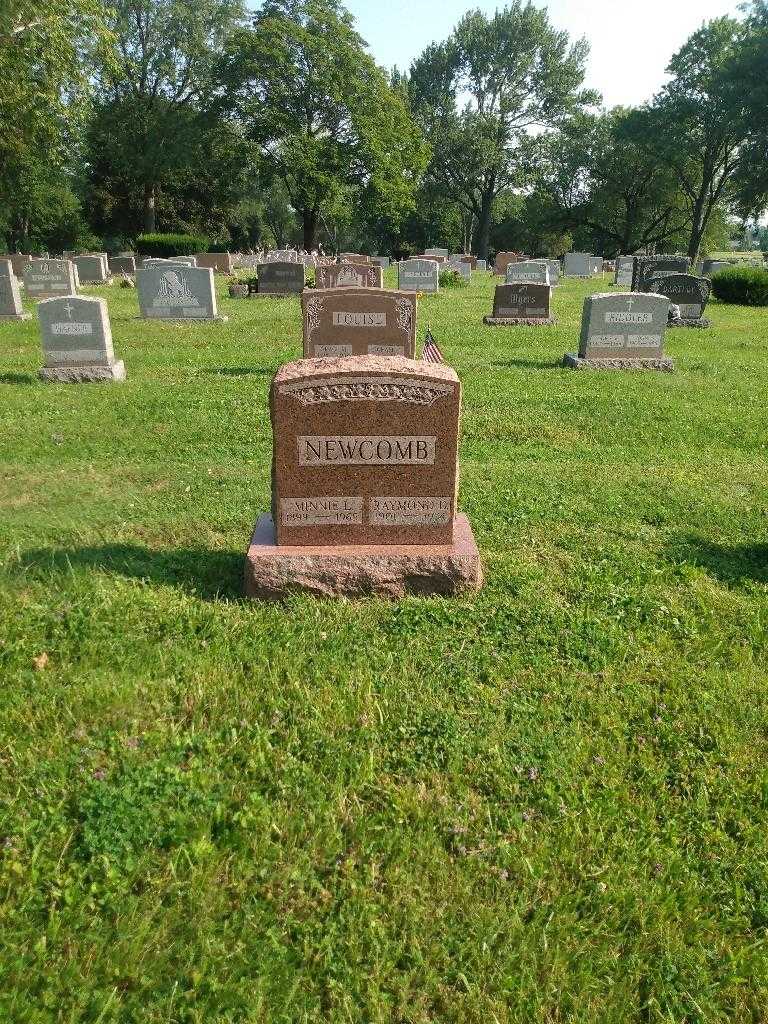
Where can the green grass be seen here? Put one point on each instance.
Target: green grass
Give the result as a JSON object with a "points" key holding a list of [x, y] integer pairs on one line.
{"points": [[544, 803]]}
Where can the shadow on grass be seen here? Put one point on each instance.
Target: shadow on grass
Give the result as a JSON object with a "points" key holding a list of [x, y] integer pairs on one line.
{"points": [[735, 563], [19, 378], [198, 571], [241, 371]]}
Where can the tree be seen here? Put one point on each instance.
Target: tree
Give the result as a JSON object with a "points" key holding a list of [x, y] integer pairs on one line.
{"points": [[163, 91], [323, 114], [45, 52], [478, 94], [701, 124], [751, 74]]}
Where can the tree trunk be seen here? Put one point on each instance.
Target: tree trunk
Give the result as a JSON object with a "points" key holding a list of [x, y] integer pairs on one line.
{"points": [[310, 218], [150, 219], [484, 225]]}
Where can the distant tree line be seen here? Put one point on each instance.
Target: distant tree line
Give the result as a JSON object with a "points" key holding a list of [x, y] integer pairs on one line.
{"points": [[277, 127]]}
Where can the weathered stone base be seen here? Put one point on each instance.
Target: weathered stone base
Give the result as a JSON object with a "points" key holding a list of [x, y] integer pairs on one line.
{"points": [[382, 570], [510, 321], [14, 316], [701, 323], [575, 362], [83, 374]]}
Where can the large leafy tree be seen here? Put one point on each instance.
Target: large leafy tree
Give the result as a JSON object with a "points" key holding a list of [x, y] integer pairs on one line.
{"points": [[161, 96], [700, 123], [479, 94], [325, 117], [45, 54]]}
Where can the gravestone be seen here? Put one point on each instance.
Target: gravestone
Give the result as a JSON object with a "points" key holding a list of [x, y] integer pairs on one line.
{"points": [[92, 269], [596, 265], [177, 293], [281, 279], [461, 266], [624, 271], [382, 261], [482, 265], [622, 331], [354, 257], [577, 264], [10, 296], [349, 275], [441, 253], [647, 267], [77, 341], [364, 483], [358, 321], [18, 262], [47, 279], [534, 273], [688, 294], [418, 276], [711, 267], [503, 259], [521, 303], [122, 265], [218, 262], [173, 261]]}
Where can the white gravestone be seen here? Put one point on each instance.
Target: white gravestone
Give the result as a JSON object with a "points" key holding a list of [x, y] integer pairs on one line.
{"points": [[77, 341], [528, 272]]}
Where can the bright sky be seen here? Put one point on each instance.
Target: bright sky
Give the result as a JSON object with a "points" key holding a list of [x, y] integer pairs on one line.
{"points": [[631, 40]]}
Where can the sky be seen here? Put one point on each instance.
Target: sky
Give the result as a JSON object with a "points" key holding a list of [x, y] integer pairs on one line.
{"points": [[631, 40]]}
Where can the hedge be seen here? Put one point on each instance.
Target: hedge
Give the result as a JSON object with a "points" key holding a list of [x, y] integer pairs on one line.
{"points": [[170, 245], [746, 286]]}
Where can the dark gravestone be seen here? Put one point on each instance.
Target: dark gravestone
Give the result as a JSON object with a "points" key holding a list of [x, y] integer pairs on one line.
{"points": [[646, 267], [688, 294], [281, 278], [521, 303]]}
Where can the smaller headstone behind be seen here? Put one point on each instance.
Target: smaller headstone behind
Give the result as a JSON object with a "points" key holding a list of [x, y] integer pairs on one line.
{"points": [[122, 265], [354, 257], [461, 266], [688, 294], [18, 262], [92, 269], [622, 331], [521, 303], [10, 297], [623, 272], [277, 279], [711, 267], [444, 253], [418, 276], [533, 273], [646, 267], [578, 264], [77, 341], [48, 279], [349, 275], [218, 262], [176, 293], [340, 322], [381, 261]]}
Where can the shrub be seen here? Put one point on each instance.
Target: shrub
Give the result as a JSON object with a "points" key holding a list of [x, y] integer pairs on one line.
{"points": [[452, 279], [746, 286], [170, 245]]}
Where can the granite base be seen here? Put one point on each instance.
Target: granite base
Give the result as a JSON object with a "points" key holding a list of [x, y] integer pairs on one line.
{"points": [[274, 571], [575, 362], [83, 374]]}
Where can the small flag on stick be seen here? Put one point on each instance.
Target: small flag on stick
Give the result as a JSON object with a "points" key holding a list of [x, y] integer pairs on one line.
{"points": [[431, 352]]}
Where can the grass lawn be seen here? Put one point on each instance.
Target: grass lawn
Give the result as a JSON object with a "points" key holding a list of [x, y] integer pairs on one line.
{"points": [[544, 803]]}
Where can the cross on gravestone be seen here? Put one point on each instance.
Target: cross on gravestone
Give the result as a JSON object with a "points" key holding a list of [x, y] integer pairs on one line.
{"points": [[622, 331], [358, 321], [218, 262], [46, 279], [10, 296], [349, 275], [521, 303], [364, 482], [281, 279], [646, 267], [688, 294], [176, 293], [418, 275], [533, 273], [92, 269], [77, 341]]}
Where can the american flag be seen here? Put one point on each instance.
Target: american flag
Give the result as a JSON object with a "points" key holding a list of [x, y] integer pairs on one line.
{"points": [[431, 352]]}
